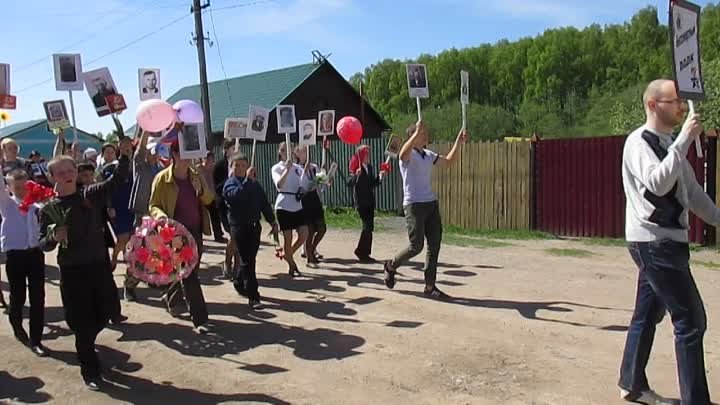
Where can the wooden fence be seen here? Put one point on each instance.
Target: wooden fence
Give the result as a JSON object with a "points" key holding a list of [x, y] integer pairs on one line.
{"points": [[488, 188]]}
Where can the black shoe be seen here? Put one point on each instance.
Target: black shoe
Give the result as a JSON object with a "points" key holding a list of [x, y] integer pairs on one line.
{"points": [[93, 384], [119, 319], [221, 240], [389, 275], [434, 293], [366, 260], [294, 272], [240, 289], [303, 255], [130, 294], [255, 303], [39, 350]]}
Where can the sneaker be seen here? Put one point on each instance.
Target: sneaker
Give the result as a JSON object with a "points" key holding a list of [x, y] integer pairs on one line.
{"points": [[130, 294], [39, 350], [389, 275], [366, 259], [93, 384], [648, 397], [435, 293], [220, 239], [202, 330], [255, 303]]}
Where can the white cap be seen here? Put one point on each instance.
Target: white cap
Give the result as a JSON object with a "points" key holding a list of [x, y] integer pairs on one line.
{"points": [[89, 152]]}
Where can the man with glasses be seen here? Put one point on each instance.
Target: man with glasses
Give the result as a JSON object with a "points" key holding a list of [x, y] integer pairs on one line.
{"points": [[661, 189]]}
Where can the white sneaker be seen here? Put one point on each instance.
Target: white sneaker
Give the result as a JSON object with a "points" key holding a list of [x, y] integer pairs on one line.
{"points": [[202, 330], [648, 397]]}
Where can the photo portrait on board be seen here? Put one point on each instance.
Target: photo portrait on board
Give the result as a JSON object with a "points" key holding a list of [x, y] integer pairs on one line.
{"points": [[4, 79], [286, 119], [191, 138], [149, 84], [308, 132], [258, 118], [417, 81], [327, 122], [56, 114], [192, 141], [99, 85], [68, 72]]}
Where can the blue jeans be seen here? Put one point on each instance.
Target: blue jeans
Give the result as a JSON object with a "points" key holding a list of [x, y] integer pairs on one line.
{"points": [[665, 283]]}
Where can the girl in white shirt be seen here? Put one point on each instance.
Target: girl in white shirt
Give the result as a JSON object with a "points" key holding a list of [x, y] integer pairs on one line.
{"points": [[289, 178]]}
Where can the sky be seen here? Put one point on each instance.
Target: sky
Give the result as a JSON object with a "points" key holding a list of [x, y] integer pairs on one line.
{"points": [[255, 36]]}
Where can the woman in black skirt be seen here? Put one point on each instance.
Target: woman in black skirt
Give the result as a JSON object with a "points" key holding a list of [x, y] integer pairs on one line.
{"points": [[312, 208], [288, 178]]}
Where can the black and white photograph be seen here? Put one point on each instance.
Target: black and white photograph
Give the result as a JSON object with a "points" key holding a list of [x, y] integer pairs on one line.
{"points": [[286, 119], [464, 87], [99, 84], [417, 81], [393, 146], [4, 79], [56, 114], [192, 142], [236, 128], [327, 122], [149, 84], [308, 132], [68, 72], [258, 118]]}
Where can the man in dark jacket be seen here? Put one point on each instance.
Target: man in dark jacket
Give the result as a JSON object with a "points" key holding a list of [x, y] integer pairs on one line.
{"points": [[246, 200]]}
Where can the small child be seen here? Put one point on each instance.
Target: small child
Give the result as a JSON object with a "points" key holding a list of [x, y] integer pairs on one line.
{"points": [[20, 240], [246, 200]]}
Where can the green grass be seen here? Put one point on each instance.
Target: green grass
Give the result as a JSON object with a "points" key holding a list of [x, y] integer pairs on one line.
{"points": [[469, 241], [348, 218], [708, 265], [604, 242], [497, 233], [569, 252]]}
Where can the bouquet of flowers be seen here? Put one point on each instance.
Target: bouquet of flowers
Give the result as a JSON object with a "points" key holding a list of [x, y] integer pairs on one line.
{"points": [[321, 178], [38, 194], [161, 252]]}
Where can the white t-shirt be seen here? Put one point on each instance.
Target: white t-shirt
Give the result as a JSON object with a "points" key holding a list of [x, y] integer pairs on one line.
{"points": [[286, 199], [417, 177], [661, 192]]}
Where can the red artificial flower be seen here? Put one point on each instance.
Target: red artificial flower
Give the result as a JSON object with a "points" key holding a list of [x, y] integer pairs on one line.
{"points": [[166, 268], [385, 167], [142, 254], [164, 253], [35, 193], [167, 233], [187, 254]]}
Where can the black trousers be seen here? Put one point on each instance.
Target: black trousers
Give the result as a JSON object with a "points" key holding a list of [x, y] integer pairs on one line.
{"points": [[89, 296], [189, 290], [215, 220], [247, 239], [26, 271], [364, 246]]}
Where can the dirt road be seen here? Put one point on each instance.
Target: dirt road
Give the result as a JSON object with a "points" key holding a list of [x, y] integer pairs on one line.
{"points": [[528, 327]]}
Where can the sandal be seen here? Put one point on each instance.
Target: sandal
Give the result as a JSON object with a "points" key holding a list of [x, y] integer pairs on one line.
{"points": [[389, 276]]}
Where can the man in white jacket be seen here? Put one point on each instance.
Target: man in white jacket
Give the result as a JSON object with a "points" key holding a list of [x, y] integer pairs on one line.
{"points": [[661, 189]]}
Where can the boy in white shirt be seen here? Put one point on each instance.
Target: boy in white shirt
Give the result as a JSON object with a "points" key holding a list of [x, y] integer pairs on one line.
{"points": [[20, 240]]}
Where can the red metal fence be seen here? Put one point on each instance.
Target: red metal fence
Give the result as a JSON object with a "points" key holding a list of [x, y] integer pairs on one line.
{"points": [[579, 191]]}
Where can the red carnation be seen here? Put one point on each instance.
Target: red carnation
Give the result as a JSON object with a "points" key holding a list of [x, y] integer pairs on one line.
{"points": [[164, 253], [167, 233], [187, 253], [166, 268], [385, 167], [142, 254]]}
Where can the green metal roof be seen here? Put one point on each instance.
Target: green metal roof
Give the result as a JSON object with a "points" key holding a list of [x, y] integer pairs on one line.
{"points": [[232, 97], [21, 126]]}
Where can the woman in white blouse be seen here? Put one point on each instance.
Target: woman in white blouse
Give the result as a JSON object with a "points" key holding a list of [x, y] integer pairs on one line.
{"points": [[290, 181]]}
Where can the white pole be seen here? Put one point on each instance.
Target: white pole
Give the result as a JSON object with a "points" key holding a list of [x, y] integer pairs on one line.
{"points": [[419, 108], [72, 114], [698, 144], [288, 146], [252, 156], [324, 152], [237, 145]]}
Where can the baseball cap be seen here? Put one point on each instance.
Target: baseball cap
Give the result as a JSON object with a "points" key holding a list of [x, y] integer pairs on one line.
{"points": [[90, 153]]}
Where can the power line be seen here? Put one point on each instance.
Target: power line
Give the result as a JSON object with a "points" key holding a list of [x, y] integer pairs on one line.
{"points": [[123, 47], [252, 3], [222, 64]]}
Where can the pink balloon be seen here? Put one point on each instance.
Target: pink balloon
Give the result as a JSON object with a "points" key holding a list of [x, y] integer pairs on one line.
{"points": [[188, 112], [350, 130], [155, 115]]}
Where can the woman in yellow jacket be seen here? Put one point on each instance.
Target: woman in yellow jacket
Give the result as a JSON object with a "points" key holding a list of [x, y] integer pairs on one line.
{"points": [[179, 192]]}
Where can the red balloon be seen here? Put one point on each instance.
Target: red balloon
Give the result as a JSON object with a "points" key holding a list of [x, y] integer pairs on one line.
{"points": [[350, 130]]}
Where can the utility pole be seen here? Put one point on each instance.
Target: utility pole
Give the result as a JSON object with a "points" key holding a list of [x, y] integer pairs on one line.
{"points": [[200, 43]]}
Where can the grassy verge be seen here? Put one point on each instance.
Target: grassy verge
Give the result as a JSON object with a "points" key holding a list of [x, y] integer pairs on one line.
{"points": [[469, 241], [604, 242], [569, 252], [348, 218], [502, 234], [707, 265]]}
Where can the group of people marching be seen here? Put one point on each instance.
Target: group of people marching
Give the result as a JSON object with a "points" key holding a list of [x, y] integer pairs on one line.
{"points": [[104, 196]]}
